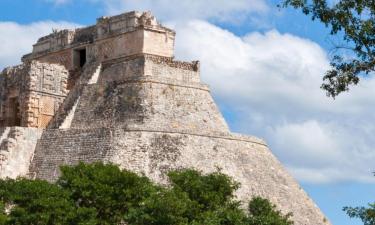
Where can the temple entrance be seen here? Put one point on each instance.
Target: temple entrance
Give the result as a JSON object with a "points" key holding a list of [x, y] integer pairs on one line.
{"points": [[80, 57], [14, 116]]}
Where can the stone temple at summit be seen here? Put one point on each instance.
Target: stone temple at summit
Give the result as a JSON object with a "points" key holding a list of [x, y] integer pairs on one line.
{"points": [[113, 92]]}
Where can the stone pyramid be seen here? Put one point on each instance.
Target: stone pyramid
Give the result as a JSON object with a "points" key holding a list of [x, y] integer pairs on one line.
{"points": [[113, 92]]}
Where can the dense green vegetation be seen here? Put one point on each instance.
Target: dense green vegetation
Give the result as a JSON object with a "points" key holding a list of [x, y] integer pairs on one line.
{"points": [[104, 194], [354, 21]]}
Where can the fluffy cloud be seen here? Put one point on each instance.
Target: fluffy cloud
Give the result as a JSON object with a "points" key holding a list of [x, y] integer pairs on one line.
{"points": [[269, 83], [17, 40]]}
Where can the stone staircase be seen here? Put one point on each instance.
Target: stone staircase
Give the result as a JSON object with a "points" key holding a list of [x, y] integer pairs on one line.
{"points": [[95, 76], [68, 119], [65, 114]]}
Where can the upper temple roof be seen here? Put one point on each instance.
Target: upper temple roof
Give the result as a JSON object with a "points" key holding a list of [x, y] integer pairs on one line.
{"points": [[105, 27]]}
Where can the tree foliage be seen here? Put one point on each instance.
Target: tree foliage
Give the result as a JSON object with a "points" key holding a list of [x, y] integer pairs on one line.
{"points": [[367, 215], [261, 211], [99, 194], [355, 20]]}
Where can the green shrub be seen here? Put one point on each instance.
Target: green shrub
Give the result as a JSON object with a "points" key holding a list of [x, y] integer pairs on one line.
{"points": [[101, 194]]}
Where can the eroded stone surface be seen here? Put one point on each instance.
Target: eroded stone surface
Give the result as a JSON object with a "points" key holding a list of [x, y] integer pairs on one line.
{"points": [[119, 96], [31, 94], [17, 150]]}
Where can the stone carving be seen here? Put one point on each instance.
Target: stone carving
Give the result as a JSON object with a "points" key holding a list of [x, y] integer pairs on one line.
{"points": [[63, 59], [22, 91], [105, 50], [147, 19]]}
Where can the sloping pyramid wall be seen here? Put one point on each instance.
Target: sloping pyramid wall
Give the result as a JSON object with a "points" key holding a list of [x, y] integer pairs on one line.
{"points": [[151, 114]]}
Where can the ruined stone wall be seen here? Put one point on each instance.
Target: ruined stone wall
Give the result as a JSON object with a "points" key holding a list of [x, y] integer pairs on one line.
{"points": [[67, 147], [31, 93], [74, 94], [17, 146], [159, 43], [13, 82], [54, 41], [153, 153], [150, 66], [132, 43], [129, 43], [63, 58], [168, 69], [123, 35], [84, 35], [47, 90], [148, 102], [143, 91], [131, 104], [118, 70], [127, 22]]}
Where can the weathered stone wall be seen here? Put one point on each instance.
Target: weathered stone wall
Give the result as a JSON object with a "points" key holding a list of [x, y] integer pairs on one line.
{"points": [[74, 94], [54, 41], [131, 104], [148, 103], [123, 35], [17, 146], [126, 22], [139, 41], [129, 43], [154, 153], [166, 68], [65, 147], [30, 94], [118, 70], [13, 82], [63, 58], [150, 66], [158, 43]]}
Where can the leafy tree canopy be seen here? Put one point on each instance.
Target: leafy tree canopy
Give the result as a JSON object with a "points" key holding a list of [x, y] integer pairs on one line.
{"points": [[102, 194], [367, 215], [355, 20]]}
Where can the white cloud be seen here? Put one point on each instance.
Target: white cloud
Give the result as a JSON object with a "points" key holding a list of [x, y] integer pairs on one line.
{"points": [[270, 82], [17, 40]]}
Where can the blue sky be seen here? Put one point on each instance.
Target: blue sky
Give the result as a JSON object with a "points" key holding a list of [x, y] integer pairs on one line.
{"points": [[264, 66]]}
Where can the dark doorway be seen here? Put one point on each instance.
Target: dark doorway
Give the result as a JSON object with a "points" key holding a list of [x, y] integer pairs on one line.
{"points": [[82, 57], [79, 57], [14, 116]]}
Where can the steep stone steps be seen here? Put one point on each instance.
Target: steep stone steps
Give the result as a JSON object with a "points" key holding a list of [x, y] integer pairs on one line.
{"points": [[68, 119], [63, 117], [95, 75]]}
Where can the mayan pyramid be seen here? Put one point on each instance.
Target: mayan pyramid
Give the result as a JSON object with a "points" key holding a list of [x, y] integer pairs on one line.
{"points": [[113, 92]]}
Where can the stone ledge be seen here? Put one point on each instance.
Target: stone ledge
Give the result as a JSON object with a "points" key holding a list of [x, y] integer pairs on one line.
{"points": [[218, 135], [158, 80], [192, 66]]}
